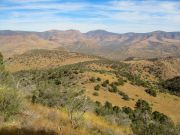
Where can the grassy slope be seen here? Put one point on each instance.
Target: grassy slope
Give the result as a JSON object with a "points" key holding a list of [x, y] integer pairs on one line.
{"points": [[44, 59], [165, 103], [38, 117]]}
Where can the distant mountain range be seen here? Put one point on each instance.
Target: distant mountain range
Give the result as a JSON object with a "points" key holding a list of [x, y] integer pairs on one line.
{"points": [[99, 42]]}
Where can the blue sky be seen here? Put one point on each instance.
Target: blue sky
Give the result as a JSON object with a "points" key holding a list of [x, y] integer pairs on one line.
{"points": [[113, 15]]}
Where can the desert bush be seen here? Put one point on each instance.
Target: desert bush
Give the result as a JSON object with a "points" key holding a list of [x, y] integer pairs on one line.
{"points": [[99, 79], [11, 102], [113, 88], [120, 81], [151, 92], [105, 83], [160, 117], [143, 105], [92, 79], [124, 95], [97, 87], [95, 94], [144, 121], [112, 113], [172, 85]]}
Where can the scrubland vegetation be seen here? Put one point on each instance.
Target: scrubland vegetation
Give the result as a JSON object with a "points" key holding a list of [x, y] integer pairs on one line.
{"points": [[54, 101]]}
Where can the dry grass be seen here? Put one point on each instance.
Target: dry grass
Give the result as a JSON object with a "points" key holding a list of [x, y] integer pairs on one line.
{"points": [[165, 103], [44, 59], [38, 117]]}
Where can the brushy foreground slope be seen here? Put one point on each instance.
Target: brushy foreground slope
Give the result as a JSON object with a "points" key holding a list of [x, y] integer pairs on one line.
{"points": [[93, 97]]}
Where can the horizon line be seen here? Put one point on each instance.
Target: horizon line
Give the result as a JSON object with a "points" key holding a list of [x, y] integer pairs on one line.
{"points": [[85, 32]]}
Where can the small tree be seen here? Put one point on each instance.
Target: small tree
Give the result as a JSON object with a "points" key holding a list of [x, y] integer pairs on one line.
{"points": [[151, 92], [5, 77], [143, 105], [76, 105], [11, 102]]}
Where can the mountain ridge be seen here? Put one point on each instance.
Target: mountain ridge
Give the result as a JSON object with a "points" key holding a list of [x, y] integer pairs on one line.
{"points": [[99, 42]]}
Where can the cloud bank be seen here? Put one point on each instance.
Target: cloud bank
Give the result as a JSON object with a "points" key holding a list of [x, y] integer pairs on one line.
{"points": [[112, 15]]}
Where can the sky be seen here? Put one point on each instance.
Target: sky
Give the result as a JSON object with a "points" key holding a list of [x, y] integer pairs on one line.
{"points": [[118, 16]]}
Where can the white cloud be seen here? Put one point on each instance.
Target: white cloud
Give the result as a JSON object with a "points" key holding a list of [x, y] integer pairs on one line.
{"points": [[117, 16]]}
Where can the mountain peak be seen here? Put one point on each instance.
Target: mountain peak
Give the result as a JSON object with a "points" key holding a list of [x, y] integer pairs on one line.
{"points": [[99, 33]]}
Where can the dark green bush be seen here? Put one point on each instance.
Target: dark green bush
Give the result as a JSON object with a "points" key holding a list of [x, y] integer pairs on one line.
{"points": [[95, 94], [97, 87], [160, 117], [143, 105], [113, 88], [105, 83], [151, 92], [120, 81], [124, 95], [144, 122], [173, 85], [112, 113], [99, 79]]}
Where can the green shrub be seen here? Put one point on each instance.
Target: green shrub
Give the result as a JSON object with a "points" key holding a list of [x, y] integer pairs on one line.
{"points": [[99, 79], [113, 88], [108, 105], [105, 83], [120, 81], [112, 113], [95, 94], [151, 92], [146, 122], [172, 85], [143, 105], [98, 103], [97, 87], [92, 79], [11, 102], [160, 117], [124, 95]]}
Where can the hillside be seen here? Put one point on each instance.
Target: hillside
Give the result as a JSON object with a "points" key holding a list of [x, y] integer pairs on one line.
{"points": [[18, 44], [56, 92], [165, 68], [99, 42], [44, 59]]}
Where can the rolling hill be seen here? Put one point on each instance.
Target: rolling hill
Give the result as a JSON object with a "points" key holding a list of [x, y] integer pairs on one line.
{"points": [[44, 59]]}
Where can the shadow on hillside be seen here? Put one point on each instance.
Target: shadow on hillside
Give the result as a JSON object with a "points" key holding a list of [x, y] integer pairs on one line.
{"points": [[24, 131]]}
